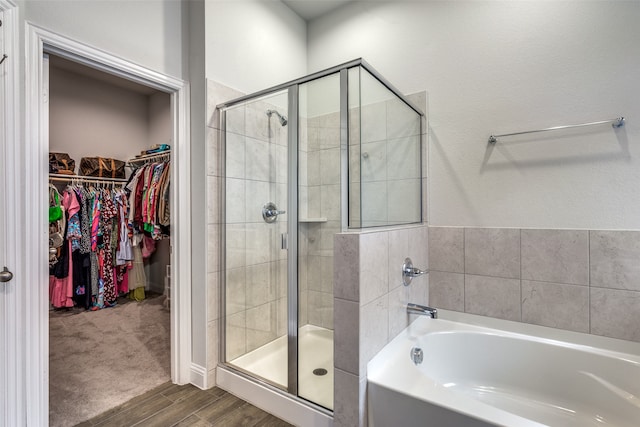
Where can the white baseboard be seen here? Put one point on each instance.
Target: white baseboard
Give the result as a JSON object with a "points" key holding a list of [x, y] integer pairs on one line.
{"points": [[198, 376], [278, 404]]}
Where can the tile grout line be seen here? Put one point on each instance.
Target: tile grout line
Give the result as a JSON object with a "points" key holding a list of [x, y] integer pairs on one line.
{"points": [[520, 278], [589, 282], [464, 270]]}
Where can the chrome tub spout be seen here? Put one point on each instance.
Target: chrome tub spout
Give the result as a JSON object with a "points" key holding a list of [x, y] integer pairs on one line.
{"points": [[422, 310]]}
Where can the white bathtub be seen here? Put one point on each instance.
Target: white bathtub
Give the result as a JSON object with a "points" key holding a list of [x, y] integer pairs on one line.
{"points": [[479, 371]]}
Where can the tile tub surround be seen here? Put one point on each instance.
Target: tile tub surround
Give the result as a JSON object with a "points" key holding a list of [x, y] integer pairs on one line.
{"points": [[579, 280], [370, 306]]}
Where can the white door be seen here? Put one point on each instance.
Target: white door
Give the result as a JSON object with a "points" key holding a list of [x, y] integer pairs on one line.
{"points": [[11, 350]]}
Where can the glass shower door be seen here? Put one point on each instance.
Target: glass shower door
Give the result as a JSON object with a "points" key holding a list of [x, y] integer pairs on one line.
{"points": [[319, 207], [256, 221]]}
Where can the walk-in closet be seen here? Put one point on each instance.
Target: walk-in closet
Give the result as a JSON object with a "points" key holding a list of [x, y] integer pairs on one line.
{"points": [[109, 239]]}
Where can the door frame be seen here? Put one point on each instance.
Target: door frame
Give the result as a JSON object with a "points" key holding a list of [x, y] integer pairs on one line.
{"points": [[40, 41], [12, 403]]}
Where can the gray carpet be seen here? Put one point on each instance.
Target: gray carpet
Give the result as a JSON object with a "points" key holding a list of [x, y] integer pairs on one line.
{"points": [[101, 359]]}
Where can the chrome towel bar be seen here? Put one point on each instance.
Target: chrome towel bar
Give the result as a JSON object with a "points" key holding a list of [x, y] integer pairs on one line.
{"points": [[616, 123]]}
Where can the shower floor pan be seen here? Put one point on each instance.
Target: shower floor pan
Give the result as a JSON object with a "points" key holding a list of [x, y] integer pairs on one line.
{"points": [[315, 353]]}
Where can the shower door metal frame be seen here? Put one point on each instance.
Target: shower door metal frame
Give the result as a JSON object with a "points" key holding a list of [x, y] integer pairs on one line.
{"points": [[292, 241]]}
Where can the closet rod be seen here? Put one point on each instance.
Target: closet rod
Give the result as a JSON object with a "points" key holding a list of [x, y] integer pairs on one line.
{"points": [[71, 178], [148, 157], [616, 123]]}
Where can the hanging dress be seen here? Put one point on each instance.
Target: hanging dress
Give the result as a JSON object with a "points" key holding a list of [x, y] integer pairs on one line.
{"points": [[107, 216]]}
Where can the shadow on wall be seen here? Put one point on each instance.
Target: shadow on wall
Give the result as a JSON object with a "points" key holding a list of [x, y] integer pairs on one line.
{"points": [[451, 172]]}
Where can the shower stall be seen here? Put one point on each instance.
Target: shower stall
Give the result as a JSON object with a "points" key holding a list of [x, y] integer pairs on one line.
{"points": [[333, 151]]}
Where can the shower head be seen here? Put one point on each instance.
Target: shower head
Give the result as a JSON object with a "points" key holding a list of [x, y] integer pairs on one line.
{"points": [[283, 119]]}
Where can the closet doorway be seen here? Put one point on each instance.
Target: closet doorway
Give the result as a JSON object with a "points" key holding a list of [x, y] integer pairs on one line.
{"points": [[109, 286], [135, 352]]}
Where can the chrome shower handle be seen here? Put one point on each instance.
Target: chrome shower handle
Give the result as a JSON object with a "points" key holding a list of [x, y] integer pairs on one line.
{"points": [[409, 271], [270, 212]]}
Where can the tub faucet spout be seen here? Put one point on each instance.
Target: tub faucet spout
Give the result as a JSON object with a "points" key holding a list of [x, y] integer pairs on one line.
{"points": [[422, 310]]}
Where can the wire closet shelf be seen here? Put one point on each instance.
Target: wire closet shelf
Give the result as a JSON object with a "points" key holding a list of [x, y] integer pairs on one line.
{"points": [[79, 179], [148, 158]]}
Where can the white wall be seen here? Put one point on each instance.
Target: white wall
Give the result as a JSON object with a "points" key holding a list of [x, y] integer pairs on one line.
{"points": [[89, 118], [498, 67], [160, 121], [152, 33], [148, 32], [252, 45], [199, 214]]}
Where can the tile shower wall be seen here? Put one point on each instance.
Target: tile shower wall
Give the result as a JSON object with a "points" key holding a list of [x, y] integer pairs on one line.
{"points": [[370, 307], [579, 280], [369, 298], [256, 268], [319, 189], [385, 163], [216, 94]]}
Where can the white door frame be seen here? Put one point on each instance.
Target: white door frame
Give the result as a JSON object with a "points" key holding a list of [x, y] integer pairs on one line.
{"points": [[39, 40], [12, 391]]}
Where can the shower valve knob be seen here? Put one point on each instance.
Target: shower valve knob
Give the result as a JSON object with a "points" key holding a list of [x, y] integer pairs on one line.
{"points": [[270, 212]]}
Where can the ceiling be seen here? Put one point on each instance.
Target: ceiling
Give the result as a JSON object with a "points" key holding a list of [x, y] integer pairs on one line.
{"points": [[83, 70], [312, 9]]}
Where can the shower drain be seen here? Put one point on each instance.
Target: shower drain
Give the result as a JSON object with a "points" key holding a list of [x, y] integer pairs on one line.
{"points": [[320, 371]]}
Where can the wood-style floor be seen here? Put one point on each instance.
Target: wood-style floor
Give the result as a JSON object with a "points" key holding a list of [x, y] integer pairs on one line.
{"points": [[173, 405]]}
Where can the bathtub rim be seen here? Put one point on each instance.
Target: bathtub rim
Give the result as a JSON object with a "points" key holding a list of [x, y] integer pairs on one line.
{"points": [[583, 341]]}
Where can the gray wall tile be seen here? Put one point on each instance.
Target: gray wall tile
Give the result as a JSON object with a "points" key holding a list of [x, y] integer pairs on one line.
{"points": [[346, 276], [560, 256], [213, 296], [261, 325], [419, 245], [236, 335], [374, 329], [492, 296], [320, 309], [398, 317], [235, 155], [492, 252], [446, 290], [346, 354], [446, 249], [261, 287], [374, 266], [403, 157], [213, 153], [346, 392], [419, 290], [235, 290], [398, 251], [214, 212], [615, 313], [213, 341], [556, 305], [615, 259]]}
